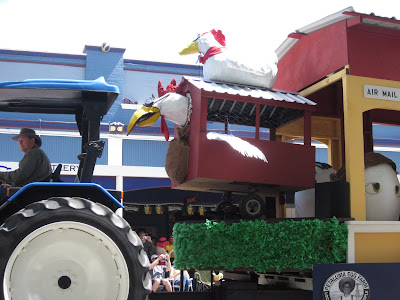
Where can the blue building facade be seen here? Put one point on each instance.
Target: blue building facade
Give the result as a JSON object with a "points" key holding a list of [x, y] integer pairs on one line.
{"points": [[128, 162]]}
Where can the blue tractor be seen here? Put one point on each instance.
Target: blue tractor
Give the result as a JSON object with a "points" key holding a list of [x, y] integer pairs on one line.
{"points": [[64, 240]]}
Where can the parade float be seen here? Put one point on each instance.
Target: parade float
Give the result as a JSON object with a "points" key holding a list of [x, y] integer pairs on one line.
{"points": [[352, 236]]}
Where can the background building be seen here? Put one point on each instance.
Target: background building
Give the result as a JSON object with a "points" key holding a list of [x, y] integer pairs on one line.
{"points": [[128, 162]]}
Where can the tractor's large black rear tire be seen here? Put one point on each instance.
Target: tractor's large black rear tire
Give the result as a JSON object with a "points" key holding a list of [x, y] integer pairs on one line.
{"points": [[71, 248]]}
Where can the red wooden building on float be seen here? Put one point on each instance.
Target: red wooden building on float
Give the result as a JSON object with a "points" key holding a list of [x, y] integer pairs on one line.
{"points": [[216, 166]]}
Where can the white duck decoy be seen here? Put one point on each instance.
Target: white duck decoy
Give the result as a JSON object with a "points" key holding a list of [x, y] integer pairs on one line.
{"points": [[220, 64]]}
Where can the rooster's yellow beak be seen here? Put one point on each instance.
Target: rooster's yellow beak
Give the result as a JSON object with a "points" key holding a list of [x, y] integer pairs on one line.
{"points": [[191, 49], [144, 116]]}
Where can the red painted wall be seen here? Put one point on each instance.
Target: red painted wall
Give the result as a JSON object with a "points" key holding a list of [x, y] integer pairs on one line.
{"points": [[313, 57], [374, 54], [370, 51], [288, 164]]}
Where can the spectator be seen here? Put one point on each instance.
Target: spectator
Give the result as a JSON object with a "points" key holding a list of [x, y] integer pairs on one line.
{"points": [[148, 245], [34, 166], [175, 275], [158, 272], [170, 248], [162, 242], [204, 279]]}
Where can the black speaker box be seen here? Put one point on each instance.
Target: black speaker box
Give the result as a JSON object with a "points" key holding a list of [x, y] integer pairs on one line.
{"points": [[332, 199]]}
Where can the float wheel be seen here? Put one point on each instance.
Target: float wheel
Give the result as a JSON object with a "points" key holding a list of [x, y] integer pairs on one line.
{"points": [[252, 206]]}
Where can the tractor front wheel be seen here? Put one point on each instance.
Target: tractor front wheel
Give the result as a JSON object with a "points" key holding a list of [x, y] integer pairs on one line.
{"points": [[71, 248]]}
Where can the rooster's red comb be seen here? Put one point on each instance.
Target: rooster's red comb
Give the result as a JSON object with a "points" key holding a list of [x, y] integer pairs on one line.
{"points": [[219, 36]]}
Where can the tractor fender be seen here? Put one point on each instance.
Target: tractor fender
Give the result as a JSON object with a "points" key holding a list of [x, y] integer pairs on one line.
{"points": [[37, 191]]}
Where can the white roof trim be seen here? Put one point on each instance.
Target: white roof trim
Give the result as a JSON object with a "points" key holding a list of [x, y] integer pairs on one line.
{"points": [[327, 21]]}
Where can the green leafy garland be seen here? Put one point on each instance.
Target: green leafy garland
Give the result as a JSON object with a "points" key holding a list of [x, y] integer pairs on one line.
{"points": [[259, 245]]}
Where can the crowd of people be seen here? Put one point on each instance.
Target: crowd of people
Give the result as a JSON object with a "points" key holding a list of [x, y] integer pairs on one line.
{"points": [[161, 255]]}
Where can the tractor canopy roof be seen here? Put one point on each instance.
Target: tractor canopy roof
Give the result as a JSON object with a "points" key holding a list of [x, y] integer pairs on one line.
{"points": [[57, 96]]}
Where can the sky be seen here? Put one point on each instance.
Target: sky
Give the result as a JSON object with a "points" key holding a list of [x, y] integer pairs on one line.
{"points": [[156, 30]]}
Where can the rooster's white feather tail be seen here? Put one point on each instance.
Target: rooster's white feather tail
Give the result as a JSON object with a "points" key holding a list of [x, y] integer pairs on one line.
{"points": [[242, 146]]}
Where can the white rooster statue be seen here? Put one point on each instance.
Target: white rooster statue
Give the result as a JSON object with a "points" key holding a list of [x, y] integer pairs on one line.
{"points": [[177, 109], [220, 64], [171, 106]]}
